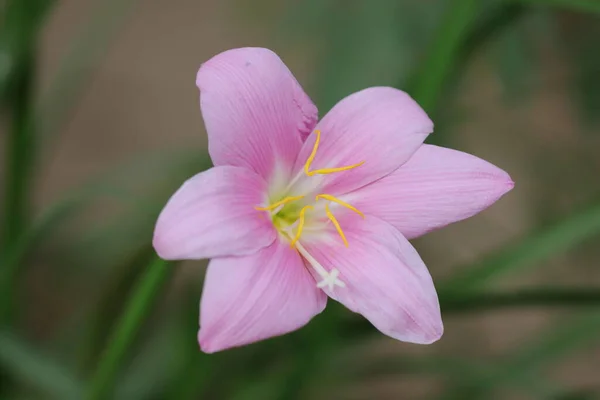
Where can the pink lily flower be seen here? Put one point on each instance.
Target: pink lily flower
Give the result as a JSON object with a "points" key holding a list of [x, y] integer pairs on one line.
{"points": [[296, 210]]}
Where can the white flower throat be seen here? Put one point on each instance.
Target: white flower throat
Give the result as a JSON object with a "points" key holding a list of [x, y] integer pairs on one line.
{"points": [[289, 217]]}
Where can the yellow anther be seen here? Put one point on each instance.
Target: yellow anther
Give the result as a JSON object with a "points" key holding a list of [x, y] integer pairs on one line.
{"points": [[336, 224], [324, 171], [300, 225], [340, 202], [278, 203]]}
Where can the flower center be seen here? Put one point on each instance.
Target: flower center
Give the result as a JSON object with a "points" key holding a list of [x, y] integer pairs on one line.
{"points": [[289, 216]]}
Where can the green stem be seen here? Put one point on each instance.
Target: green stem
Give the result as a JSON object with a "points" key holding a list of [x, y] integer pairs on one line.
{"points": [[144, 294]]}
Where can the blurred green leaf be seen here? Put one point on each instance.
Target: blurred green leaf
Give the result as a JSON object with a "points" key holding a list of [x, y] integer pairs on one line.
{"points": [[20, 149], [19, 30], [20, 24], [358, 45], [144, 294], [362, 48], [31, 368], [115, 290], [515, 62], [192, 369], [151, 370], [548, 241], [491, 24], [430, 78]]}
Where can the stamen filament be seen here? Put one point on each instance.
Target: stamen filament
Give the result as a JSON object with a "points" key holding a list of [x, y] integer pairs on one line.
{"points": [[313, 153], [340, 202], [279, 203], [324, 171], [300, 225], [336, 224]]}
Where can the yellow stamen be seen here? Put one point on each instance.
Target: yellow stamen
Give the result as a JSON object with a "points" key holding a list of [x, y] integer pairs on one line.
{"points": [[278, 203], [340, 202], [324, 171], [300, 225], [313, 154], [336, 224]]}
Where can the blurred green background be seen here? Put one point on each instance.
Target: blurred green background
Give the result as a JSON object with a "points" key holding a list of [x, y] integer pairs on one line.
{"points": [[99, 123]]}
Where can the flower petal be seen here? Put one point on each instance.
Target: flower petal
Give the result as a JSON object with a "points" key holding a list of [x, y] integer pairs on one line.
{"points": [[256, 113], [385, 279], [250, 298], [381, 126], [436, 187], [213, 214]]}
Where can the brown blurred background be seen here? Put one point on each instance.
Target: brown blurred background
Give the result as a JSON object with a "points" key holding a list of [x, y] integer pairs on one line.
{"points": [[129, 127]]}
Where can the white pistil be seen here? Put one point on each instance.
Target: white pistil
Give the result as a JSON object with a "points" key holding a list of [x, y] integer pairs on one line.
{"points": [[329, 279]]}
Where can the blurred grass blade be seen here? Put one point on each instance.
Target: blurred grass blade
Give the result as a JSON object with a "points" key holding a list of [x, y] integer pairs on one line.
{"points": [[20, 151], [144, 295], [487, 29], [591, 6], [151, 370], [25, 364], [19, 31], [20, 24], [538, 247], [115, 290], [428, 83]]}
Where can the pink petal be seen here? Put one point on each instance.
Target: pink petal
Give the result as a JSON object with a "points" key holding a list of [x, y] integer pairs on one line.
{"points": [[436, 187], [256, 113], [213, 214], [381, 126], [386, 280], [250, 298]]}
